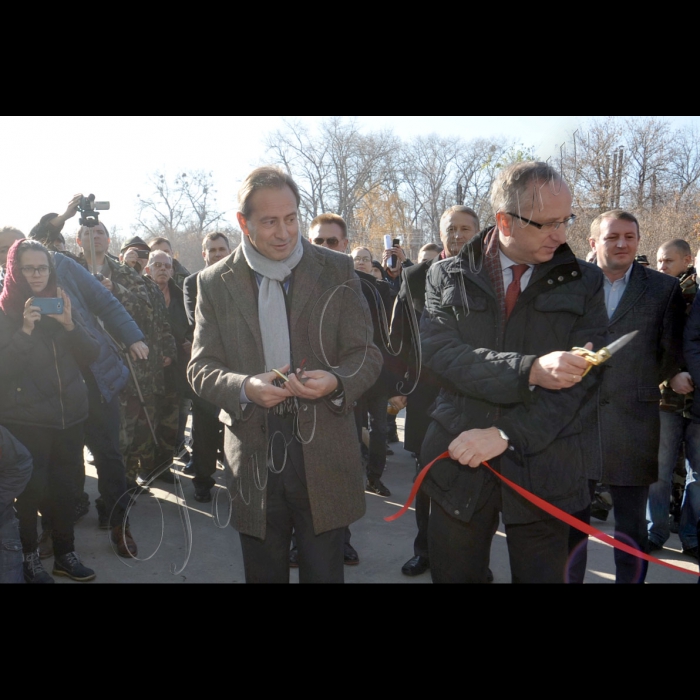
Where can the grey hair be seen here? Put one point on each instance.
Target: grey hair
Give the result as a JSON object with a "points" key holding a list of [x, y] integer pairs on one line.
{"points": [[510, 190]]}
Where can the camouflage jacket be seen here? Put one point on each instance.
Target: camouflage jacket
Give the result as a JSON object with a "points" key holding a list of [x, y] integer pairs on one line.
{"points": [[671, 402], [143, 300]]}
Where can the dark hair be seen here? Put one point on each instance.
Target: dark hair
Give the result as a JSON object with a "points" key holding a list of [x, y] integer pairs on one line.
{"points": [[266, 178], [683, 247], [28, 245], [330, 219], [214, 236], [615, 215], [159, 241]]}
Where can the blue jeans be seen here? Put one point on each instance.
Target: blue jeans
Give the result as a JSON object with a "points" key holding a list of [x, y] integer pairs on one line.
{"points": [[11, 558], [675, 430]]}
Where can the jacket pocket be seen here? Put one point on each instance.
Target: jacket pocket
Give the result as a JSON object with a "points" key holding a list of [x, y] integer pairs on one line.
{"points": [[561, 303], [10, 554], [649, 394], [457, 296]]}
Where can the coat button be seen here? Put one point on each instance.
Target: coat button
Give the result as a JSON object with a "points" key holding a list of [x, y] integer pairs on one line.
{"points": [[263, 428], [550, 281], [574, 274], [19, 389], [561, 279], [456, 512]]}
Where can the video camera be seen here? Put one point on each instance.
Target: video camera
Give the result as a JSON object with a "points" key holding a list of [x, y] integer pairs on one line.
{"points": [[88, 207]]}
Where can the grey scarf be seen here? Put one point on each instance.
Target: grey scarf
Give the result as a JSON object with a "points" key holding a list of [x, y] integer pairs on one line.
{"points": [[272, 310]]}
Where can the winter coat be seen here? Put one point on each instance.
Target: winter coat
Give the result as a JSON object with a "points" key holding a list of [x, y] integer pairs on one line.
{"points": [[488, 364], [41, 383], [93, 301], [15, 472], [622, 426]]}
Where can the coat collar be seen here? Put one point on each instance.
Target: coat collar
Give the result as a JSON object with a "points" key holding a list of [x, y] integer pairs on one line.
{"points": [[636, 287], [241, 284], [564, 264]]}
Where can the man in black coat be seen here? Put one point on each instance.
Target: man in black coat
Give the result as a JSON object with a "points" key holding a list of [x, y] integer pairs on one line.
{"points": [[499, 322], [458, 226], [622, 427], [207, 431]]}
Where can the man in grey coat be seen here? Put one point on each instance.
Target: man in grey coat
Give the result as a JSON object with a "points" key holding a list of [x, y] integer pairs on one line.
{"points": [[283, 348], [622, 426]]}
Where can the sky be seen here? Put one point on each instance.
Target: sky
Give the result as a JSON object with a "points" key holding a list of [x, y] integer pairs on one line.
{"points": [[44, 161]]}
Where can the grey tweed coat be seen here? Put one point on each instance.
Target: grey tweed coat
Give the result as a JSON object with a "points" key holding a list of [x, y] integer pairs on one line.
{"points": [[329, 328]]}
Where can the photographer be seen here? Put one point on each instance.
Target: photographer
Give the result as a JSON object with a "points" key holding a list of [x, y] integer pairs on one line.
{"points": [[15, 472], [41, 357]]}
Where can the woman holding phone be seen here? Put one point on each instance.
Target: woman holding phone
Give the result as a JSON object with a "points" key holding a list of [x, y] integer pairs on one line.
{"points": [[44, 401]]}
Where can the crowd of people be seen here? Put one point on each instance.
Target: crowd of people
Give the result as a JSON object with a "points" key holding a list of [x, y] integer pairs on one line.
{"points": [[293, 355]]}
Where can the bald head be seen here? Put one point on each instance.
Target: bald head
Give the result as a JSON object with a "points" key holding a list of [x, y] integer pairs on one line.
{"points": [[8, 236]]}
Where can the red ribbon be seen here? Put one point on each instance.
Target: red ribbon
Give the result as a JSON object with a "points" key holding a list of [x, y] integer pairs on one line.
{"points": [[547, 508]]}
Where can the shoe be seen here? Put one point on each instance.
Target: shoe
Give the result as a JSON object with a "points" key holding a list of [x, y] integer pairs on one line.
{"points": [[121, 538], [202, 495], [69, 565], [102, 514], [653, 547], [189, 470], [352, 558], [82, 508], [415, 567], [294, 558], [46, 545], [692, 552], [167, 477], [392, 438], [34, 571], [377, 487], [489, 576], [389, 452]]}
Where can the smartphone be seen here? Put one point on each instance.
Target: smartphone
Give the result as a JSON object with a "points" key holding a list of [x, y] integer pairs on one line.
{"points": [[388, 244], [52, 307]]}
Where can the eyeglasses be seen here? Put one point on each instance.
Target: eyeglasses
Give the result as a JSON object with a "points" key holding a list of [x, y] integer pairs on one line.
{"points": [[546, 227], [332, 242], [363, 260], [42, 271], [160, 266]]}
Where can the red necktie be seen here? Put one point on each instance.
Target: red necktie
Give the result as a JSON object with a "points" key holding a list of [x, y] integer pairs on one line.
{"points": [[514, 290]]}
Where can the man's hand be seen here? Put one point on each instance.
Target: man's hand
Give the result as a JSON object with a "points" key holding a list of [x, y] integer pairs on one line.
{"points": [[139, 351], [71, 211], [131, 258], [683, 384], [317, 385], [167, 361], [475, 447], [107, 284], [261, 391], [398, 403], [400, 259], [560, 370]]}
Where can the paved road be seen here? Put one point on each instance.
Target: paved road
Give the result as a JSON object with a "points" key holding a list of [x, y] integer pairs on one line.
{"points": [[215, 555]]}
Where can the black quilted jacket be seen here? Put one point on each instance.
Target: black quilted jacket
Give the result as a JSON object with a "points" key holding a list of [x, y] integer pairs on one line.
{"points": [[40, 377], [563, 307]]}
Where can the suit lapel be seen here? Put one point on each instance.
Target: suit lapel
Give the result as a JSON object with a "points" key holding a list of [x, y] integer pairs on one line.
{"points": [[306, 278], [238, 279], [636, 287]]}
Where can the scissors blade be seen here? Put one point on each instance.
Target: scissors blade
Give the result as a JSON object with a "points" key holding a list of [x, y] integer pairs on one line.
{"points": [[619, 344]]}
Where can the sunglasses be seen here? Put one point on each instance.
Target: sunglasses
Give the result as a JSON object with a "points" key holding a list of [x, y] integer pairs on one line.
{"points": [[333, 242]]}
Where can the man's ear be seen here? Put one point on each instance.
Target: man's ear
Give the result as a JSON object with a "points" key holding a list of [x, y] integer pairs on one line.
{"points": [[594, 243], [504, 224], [243, 223]]}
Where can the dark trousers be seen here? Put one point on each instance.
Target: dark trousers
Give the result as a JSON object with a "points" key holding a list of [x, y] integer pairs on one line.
{"points": [[321, 557], [102, 439], [376, 405], [58, 463], [207, 440], [460, 552], [630, 504], [420, 546]]}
